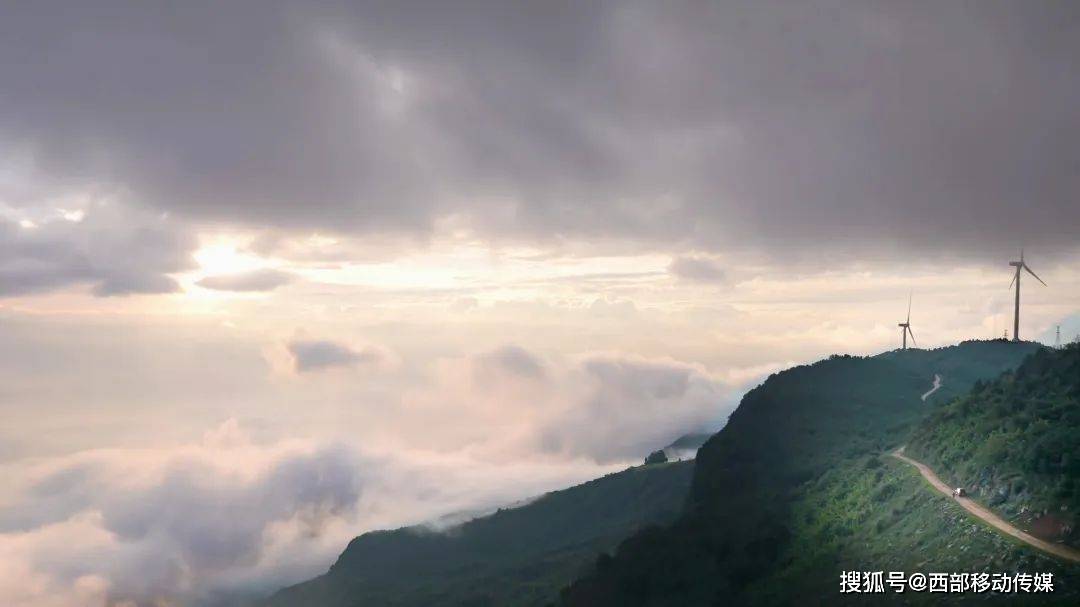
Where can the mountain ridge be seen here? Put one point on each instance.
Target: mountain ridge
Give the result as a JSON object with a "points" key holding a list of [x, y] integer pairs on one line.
{"points": [[795, 487], [519, 555]]}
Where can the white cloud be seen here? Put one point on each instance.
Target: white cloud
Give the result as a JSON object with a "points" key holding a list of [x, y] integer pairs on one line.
{"points": [[623, 406], [601, 407], [227, 517], [170, 524]]}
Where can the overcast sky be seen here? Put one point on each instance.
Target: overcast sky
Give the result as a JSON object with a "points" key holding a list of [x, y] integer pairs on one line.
{"points": [[345, 265]]}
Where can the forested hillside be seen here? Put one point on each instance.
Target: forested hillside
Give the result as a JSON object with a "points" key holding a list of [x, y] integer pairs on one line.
{"points": [[1014, 444], [795, 489], [517, 556]]}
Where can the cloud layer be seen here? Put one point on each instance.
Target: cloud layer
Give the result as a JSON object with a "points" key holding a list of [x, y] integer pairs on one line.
{"points": [[170, 525], [225, 519], [228, 517], [764, 124]]}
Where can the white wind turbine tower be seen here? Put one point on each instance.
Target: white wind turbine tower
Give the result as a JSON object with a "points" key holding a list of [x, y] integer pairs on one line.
{"points": [[905, 327], [1020, 265]]}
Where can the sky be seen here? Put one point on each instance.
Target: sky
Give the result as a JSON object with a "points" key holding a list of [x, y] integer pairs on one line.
{"points": [[276, 273]]}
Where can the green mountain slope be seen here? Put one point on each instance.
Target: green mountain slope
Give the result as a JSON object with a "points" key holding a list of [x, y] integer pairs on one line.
{"points": [[795, 490], [517, 556], [1014, 444]]}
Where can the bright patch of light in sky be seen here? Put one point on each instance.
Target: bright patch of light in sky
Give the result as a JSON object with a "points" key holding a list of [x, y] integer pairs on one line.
{"points": [[224, 255]]}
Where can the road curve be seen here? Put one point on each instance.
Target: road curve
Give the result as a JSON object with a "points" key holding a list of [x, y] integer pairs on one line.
{"points": [[1058, 550], [934, 388]]}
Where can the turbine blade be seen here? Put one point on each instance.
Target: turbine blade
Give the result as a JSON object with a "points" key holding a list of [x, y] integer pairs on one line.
{"points": [[912, 336], [908, 308], [1034, 274], [1013, 281]]}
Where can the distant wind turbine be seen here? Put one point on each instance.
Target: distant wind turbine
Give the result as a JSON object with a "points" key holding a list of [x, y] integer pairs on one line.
{"points": [[905, 327], [1020, 265]]}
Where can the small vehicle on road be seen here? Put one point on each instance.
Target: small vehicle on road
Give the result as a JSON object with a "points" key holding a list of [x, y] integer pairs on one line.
{"points": [[959, 492]]}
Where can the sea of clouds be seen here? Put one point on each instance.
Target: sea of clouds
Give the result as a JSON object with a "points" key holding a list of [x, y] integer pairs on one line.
{"points": [[231, 516]]}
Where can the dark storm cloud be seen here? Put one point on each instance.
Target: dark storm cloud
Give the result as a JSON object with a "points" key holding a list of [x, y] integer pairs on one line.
{"points": [[258, 280], [769, 124]]}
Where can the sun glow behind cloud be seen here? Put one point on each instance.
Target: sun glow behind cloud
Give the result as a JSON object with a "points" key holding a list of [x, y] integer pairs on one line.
{"points": [[224, 255], [338, 282]]}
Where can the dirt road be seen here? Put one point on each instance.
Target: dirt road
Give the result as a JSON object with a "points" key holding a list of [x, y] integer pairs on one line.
{"points": [[1058, 550], [934, 388]]}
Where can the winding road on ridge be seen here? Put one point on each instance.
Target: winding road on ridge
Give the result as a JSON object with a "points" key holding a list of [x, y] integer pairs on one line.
{"points": [[934, 388], [1058, 550]]}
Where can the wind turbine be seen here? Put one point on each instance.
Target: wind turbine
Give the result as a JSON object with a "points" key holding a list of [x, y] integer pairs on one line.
{"points": [[1020, 265], [905, 327]]}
